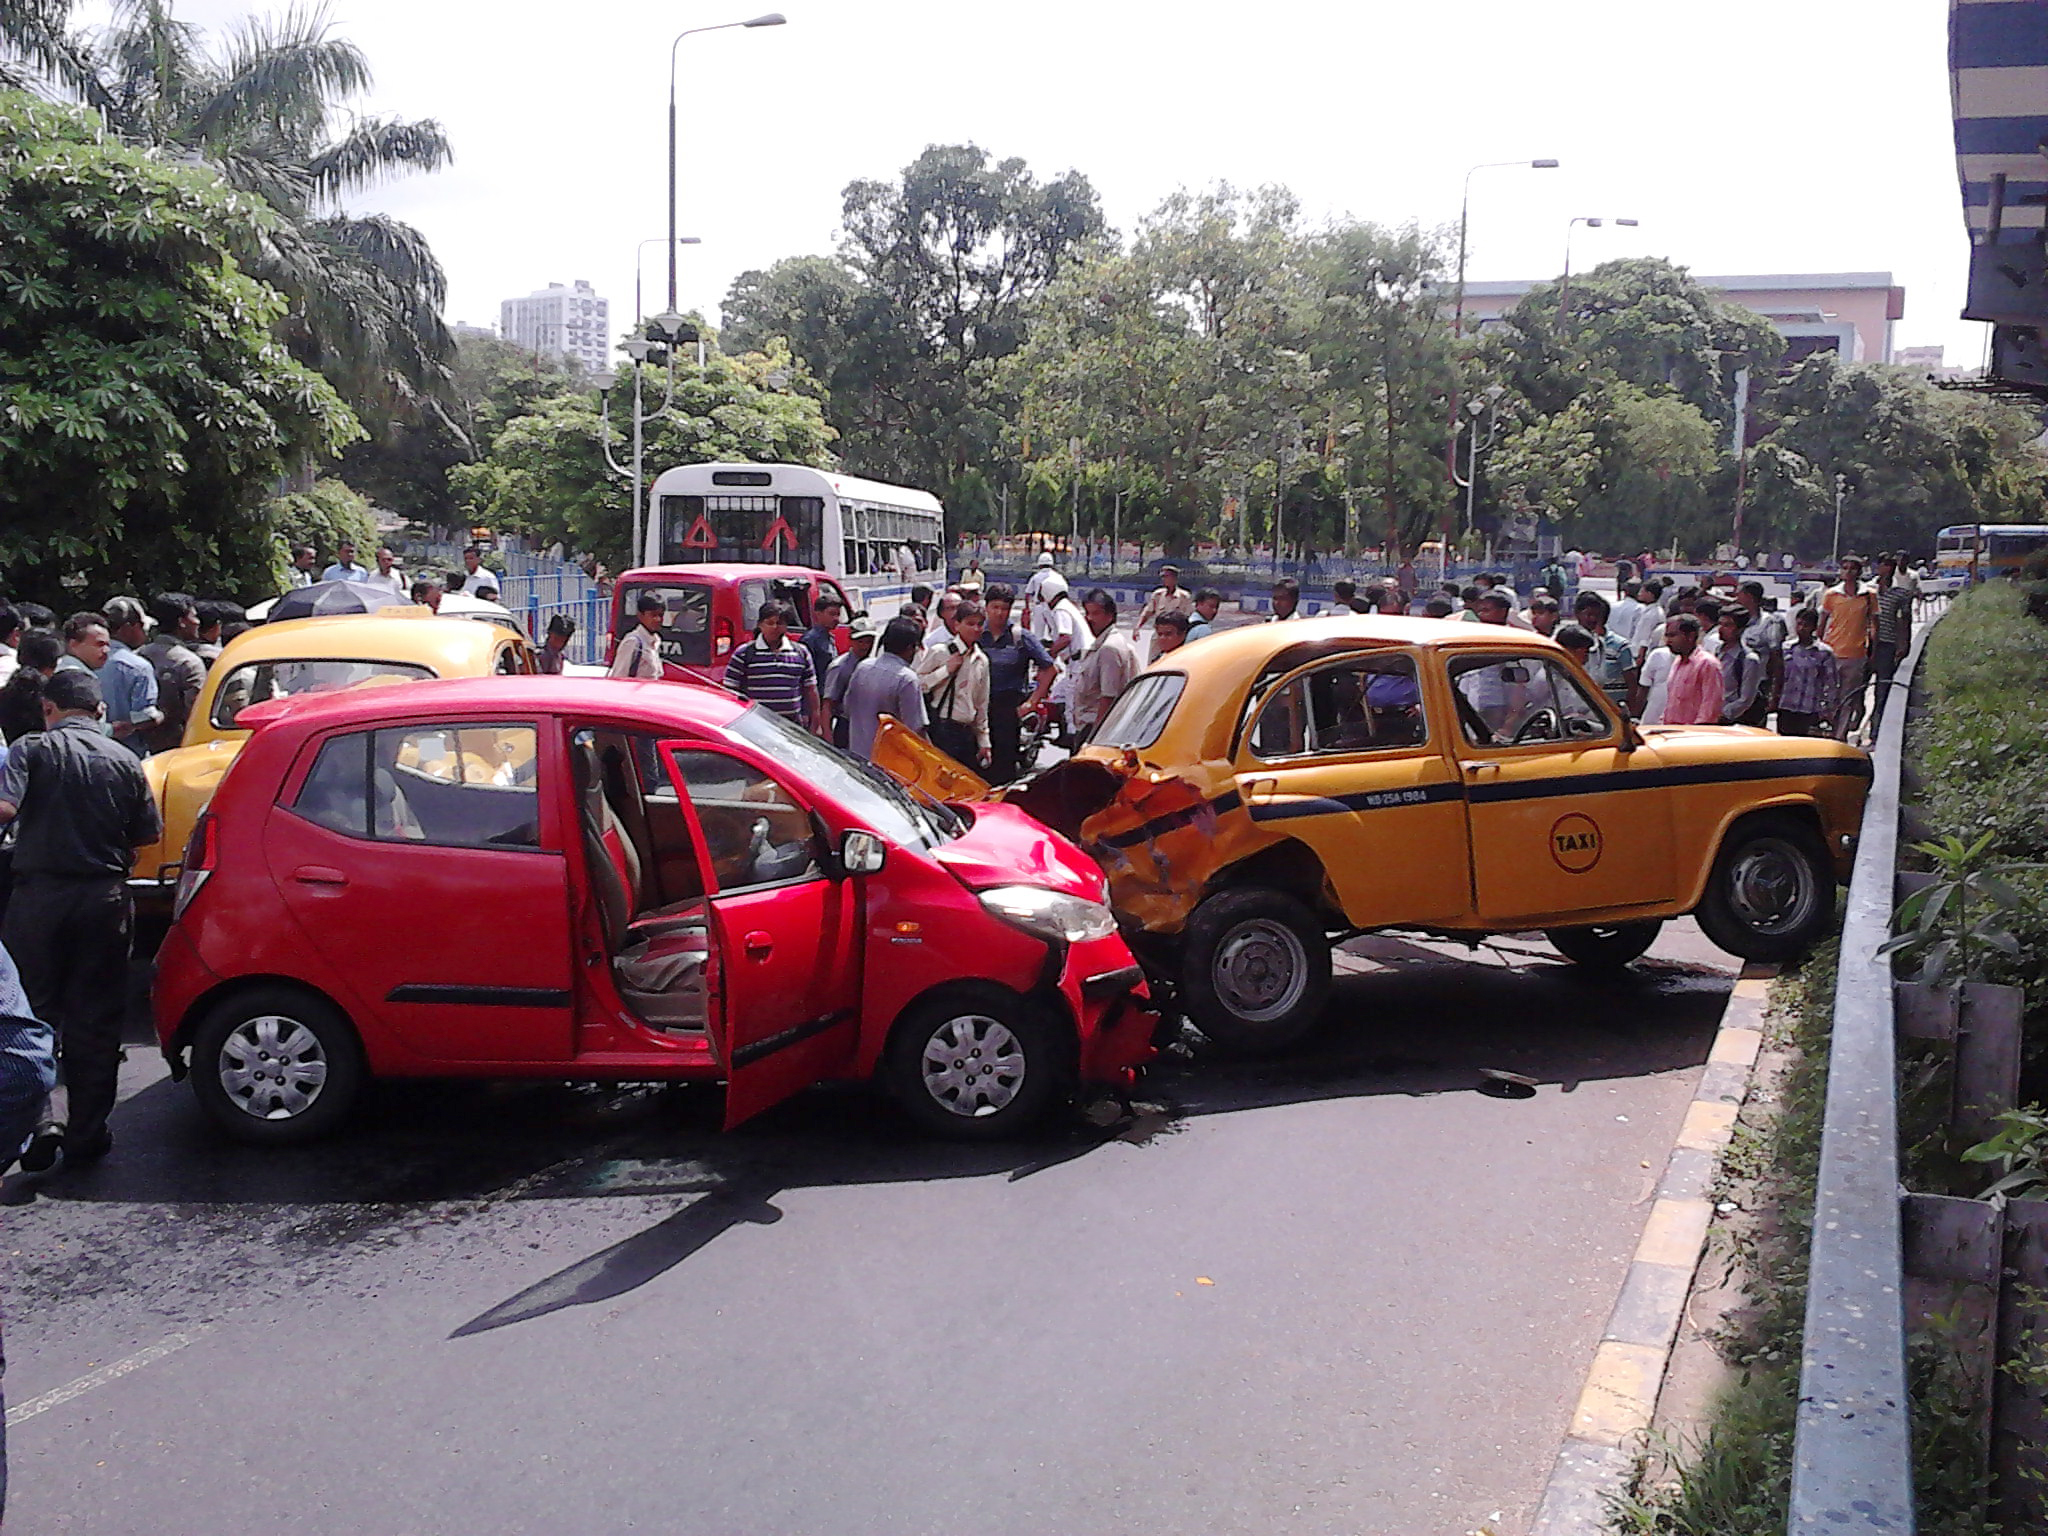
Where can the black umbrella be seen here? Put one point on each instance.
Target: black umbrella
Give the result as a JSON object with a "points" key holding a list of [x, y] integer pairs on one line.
{"points": [[332, 597]]}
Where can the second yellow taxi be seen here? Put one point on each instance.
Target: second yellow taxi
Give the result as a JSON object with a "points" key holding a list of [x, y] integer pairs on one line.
{"points": [[1261, 795]]}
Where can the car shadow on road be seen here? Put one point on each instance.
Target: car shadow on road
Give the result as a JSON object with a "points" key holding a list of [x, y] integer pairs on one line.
{"points": [[1419, 1023]]}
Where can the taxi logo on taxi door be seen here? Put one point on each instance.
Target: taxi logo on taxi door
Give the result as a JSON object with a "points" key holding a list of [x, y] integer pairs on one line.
{"points": [[1575, 843]]}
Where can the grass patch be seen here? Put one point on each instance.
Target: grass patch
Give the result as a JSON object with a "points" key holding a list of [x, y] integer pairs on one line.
{"points": [[1982, 753], [1735, 1477]]}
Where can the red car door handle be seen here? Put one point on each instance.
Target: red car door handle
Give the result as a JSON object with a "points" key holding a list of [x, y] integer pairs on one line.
{"points": [[318, 874], [757, 945]]}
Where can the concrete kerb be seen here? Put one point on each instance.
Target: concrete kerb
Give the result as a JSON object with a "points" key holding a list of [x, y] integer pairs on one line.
{"points": [[1619, 1399]]}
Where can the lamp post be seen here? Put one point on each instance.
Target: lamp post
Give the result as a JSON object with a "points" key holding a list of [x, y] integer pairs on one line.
{"points": [[1465, 219], [639, 256], [1486, 406], [1841, 489], [1564, 288], [1458, 305], [663, 329], [772, 19]]}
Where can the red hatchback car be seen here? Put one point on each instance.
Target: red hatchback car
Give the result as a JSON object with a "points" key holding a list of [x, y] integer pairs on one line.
{"points": [[622, 881]]}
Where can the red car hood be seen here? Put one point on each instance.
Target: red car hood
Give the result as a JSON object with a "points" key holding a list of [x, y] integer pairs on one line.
{"points": [[1005, 846]]}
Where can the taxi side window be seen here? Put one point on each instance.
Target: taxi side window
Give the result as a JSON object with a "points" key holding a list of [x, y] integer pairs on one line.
{"points": [[460, 786], [1364, 704], [755, 832], [507, 664], [1516, 701]]}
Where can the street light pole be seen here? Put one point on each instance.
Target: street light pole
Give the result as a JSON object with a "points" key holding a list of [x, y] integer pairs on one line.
{"points": [[1564, 288], [639, 256], [772, 19], [1841, 485], [1458, 306]]}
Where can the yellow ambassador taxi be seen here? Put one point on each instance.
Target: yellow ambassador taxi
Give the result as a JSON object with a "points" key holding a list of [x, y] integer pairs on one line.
{"points": [[1268, 791], [273, 661]]}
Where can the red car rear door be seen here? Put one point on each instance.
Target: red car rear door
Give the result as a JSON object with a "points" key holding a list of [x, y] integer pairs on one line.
{"points": [[785, 935], [423, 868]]}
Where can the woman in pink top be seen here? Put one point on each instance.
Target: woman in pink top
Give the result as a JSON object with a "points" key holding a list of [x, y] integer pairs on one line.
{"points": [[1695, 694]]}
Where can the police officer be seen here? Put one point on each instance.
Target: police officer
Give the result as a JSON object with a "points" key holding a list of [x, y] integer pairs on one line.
{"points": [[83, 806]]}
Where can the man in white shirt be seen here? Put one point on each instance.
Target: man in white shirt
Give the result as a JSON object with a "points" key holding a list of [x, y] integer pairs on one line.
{"points": [[953, 672], [1653, 685], [639, 652], [940, 629], [10, 636], [301, 573], [344, 567], [475, 575], [1626, 615], [387, 575]]}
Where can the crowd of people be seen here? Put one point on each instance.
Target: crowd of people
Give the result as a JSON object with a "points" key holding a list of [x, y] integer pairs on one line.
{"points": [[1722, 653]]}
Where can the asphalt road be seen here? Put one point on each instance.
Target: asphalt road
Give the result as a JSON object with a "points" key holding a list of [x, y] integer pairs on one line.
{"points": [[1346, 1292]]}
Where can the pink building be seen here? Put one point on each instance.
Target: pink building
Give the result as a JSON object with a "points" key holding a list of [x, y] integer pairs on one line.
{"points": [[1850, 313]]}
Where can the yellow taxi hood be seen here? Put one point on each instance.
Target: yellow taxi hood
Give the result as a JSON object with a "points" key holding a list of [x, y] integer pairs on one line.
{"points": [[1060, 797], [916, 764]]}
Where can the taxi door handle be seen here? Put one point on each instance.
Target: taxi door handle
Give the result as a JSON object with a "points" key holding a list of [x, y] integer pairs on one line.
{"points": [[318, 874], [1480, 767], [758, 945]]}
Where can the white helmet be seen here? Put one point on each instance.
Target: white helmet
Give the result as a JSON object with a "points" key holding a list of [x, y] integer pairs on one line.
{"points": [[1044, 559]]}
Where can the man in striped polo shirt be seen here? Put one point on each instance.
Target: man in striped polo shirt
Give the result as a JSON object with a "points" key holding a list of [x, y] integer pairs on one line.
{"points": [[775, 671]]}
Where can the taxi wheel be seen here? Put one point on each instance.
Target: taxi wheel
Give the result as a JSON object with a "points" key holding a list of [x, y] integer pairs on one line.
{"points": [[275, 1066], [976, 1064], [1771, 896], [1255, 971], [1605, 949]]}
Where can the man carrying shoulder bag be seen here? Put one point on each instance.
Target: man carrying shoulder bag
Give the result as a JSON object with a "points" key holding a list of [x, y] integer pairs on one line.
{"points": [[953, 671]]}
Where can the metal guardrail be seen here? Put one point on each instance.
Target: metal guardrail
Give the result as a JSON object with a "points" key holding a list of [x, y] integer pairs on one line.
{"points": [[1852, 1466]]}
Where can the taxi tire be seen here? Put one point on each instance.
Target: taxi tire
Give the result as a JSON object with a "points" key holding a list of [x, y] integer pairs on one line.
{"points": [[1048, 1062], [1608, 948], [1213, 926], [1716, 913], [346, 1070]]}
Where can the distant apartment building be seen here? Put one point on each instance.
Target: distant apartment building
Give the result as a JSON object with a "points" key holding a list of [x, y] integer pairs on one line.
{"points": [[1848, 313], [560, 321]]}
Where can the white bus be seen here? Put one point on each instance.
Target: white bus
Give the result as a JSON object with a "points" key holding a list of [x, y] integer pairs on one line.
{"points": [[1973, 552], [875, 540]]}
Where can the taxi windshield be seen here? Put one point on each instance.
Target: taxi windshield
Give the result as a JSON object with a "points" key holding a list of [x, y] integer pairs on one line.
{"points": [[1141, 711], [886, 806]]}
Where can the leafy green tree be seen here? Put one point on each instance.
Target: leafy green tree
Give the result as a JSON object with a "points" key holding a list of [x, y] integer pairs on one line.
{"points": [[1186, 358], [935, 283], [322, 515], [265, 108], [1911, 458], [1641, 321], [545, 473], [1383, 347], [148, 406]]}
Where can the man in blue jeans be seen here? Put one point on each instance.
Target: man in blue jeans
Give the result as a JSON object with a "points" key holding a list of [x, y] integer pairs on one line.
{"points": [[28, 1070]]}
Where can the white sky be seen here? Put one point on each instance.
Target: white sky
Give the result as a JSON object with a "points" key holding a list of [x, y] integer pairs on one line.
{"points": [[1750, 136]]}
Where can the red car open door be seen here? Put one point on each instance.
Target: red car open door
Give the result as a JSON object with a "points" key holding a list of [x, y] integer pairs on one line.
{"points": [[785, 935]]}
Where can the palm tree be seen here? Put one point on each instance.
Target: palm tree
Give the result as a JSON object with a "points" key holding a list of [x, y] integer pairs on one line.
{"points": [[264, 110]]}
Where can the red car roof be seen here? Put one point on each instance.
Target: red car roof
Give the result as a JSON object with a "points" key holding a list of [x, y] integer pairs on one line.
{"points": [[658, 703]]}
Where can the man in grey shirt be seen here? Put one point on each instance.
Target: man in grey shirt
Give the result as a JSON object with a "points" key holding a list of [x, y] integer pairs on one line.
{"points": [[885, 684]]}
